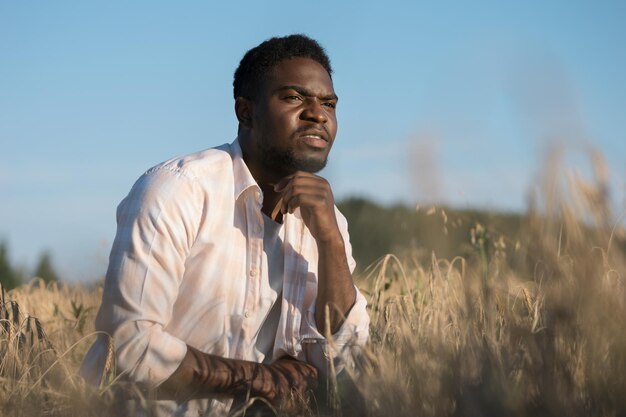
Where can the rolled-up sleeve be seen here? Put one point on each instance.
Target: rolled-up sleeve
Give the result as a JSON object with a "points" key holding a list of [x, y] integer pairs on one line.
{"points": [[351, 336], [344, 345], [157, 224]]}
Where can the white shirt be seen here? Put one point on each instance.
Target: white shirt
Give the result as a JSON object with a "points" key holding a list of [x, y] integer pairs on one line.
{"points": [[188, 266]]}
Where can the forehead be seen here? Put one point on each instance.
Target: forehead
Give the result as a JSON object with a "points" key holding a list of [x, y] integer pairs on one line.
{"points": [[303, 72]]}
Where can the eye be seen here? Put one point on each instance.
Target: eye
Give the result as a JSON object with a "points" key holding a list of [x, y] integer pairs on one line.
{"points": [[330, 104], [293, 98]]}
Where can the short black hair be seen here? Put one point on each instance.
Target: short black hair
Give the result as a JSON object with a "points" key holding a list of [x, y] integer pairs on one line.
{"points": [[258, 61]]}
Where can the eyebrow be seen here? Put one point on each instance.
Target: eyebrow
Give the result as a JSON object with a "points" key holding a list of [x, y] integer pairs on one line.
{"points": [[307, 93]]}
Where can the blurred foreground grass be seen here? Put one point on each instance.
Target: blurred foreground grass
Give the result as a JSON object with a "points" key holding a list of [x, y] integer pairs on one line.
{"points": [[523, 325]]}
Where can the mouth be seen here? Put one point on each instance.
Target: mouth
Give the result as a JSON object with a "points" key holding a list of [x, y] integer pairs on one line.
{"points": [[316, 139]]}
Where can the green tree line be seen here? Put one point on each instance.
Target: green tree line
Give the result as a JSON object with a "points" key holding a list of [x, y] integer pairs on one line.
{"points": [[377, 230], [420, 233], [11, 276]]}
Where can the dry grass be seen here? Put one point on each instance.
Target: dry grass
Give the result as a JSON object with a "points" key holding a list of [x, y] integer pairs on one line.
{"points": [[45, 333], [529, 326]]}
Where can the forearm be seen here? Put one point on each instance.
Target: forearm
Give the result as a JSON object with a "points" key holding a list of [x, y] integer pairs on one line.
{"points": [[335, 286], [201, 375]]}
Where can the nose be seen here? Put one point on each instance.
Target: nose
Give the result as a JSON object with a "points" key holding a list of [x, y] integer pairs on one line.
{"points": [[314, 111]]}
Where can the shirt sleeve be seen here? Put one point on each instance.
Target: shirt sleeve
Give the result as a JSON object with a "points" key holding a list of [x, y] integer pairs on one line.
{"points": [[351, 336], [157, 224]]}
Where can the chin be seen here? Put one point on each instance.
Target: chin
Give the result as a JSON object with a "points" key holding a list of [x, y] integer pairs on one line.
{"points": [[288, 162], [311, 165]]}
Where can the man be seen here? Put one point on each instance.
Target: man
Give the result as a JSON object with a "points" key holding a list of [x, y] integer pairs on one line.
{"points": [[232, 265]]}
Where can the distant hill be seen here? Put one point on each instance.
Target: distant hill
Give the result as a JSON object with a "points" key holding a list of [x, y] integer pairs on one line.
{"points": [[418, 233], [376, 230]]}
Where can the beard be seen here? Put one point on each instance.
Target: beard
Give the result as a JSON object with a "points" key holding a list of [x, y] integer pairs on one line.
{"points": [[286, 162]]}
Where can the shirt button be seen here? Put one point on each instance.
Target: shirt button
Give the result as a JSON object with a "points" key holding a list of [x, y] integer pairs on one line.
{"points": [[253, 272], [257, 229], [246, 314]]}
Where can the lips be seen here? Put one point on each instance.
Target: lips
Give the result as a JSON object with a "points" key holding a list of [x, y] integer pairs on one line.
{"points": [[315, 139]]}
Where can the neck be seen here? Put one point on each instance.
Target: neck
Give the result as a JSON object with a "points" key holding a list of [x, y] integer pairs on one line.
{"points": [[264, 178]]}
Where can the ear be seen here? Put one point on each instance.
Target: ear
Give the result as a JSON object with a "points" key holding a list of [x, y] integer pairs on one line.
{"points": [[244, 109]]}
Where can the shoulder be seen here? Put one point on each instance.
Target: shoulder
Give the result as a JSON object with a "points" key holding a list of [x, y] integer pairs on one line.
{"points": [[198, 165], [181, 181]]}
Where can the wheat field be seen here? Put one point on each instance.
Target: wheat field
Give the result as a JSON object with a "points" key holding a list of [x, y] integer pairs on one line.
{"points": [[530, 325]]}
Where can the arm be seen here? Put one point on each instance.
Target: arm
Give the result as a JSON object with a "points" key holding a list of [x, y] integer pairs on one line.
{"points": [[313, 195], [335, 287], [201, 375], [157, 223]]}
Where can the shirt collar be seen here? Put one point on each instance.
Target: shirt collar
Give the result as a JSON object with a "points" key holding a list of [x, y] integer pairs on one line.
{"points": [[243, 176]]}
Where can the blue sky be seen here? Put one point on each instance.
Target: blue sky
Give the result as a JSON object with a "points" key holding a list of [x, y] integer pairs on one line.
{"points": [[449, 102]]}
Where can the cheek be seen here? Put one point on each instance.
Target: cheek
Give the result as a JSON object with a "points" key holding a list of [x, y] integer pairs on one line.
{"points": [[281, 120], [272, 124], [332, 126]]}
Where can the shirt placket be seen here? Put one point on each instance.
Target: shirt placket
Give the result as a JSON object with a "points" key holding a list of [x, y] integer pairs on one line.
{"points": [[255, 251]]}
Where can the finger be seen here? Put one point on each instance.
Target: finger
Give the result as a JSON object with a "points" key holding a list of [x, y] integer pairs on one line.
{"points": [[304, 197], [303, 201], [304, 183], [293, 190], [297, 177]]}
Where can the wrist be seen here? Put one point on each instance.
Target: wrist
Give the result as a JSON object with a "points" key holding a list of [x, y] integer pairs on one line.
{"points": [[260, 383], [331, 240]]}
